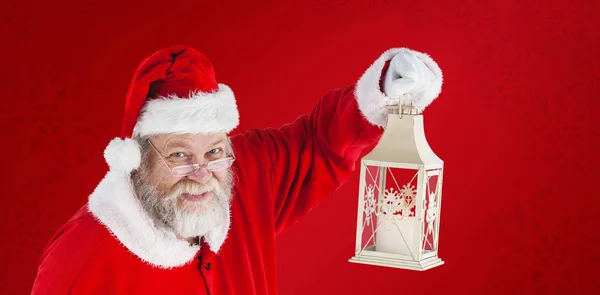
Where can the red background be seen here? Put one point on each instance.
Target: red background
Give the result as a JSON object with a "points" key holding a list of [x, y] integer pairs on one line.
{"points": [[516, 124]]}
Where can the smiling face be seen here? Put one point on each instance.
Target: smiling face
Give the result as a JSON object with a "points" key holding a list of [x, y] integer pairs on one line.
{"points": [[185, 181]]}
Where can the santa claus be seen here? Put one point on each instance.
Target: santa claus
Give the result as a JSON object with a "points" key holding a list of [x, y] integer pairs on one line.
{"points": [[187, 209]]}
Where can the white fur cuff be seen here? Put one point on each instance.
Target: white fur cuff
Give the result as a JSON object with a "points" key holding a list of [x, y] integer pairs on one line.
{"points": [[373, 103]]}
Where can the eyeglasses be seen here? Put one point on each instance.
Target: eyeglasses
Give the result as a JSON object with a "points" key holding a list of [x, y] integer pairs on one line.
{"points": [[187, 170]]}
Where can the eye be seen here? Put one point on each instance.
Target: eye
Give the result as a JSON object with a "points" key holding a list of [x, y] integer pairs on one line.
{"points": [[177, 155], [215, 151]]}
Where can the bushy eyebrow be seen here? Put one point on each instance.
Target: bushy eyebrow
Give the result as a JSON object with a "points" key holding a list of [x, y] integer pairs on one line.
{"points": [[176, 144], [184, 145], [218, 141]]}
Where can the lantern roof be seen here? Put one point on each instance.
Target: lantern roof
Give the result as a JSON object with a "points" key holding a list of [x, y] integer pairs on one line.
{"points": [[403, 143]]}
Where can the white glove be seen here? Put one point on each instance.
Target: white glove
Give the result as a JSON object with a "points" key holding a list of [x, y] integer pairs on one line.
{"points": [[410, 81]]}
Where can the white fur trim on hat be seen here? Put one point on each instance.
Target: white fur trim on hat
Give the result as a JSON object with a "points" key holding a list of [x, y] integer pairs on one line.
{"points": [[123, 155], [201, 113]]}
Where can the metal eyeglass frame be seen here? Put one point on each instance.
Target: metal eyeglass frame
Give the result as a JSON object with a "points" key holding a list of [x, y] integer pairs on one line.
{"points": [[193, 167]]}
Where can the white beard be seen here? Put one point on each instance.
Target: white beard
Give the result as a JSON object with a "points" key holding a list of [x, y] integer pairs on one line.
{"points": [[189, 219], [195, 220]]}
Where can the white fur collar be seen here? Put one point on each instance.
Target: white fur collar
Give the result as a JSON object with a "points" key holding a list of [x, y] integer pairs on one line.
{"points": [[114, 204]]}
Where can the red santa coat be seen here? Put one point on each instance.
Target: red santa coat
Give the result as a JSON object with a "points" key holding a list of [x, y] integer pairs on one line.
{"points": [[111, 247]]}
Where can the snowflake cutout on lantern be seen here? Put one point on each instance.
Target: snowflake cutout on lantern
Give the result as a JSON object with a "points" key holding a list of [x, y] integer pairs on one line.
{"points": [[370, 205], [408, 197], [431, 209], [390, 204]]}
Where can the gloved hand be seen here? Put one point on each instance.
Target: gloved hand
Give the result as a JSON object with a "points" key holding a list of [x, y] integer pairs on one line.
{"points": [[412, 78]]}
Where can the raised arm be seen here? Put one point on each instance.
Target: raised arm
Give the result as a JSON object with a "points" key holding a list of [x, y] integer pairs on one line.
{"points": [[310, 158]]}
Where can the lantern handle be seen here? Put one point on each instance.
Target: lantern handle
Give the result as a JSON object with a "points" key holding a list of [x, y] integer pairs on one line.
{"points": [[402, 110]]}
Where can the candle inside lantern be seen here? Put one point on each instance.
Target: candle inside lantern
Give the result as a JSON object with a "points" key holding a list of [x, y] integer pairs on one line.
{"points": [[396, 236], [396, 232]]}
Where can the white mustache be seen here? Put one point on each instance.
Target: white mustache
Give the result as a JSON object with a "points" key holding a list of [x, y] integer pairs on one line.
{"points": [[193, 188]]}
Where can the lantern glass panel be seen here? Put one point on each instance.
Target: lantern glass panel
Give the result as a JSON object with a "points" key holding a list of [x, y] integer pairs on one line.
{"points": [[431, 203], [390, 223], [370, 196]]}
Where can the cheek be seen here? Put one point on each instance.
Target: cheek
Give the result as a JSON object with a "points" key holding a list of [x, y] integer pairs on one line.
{"points": [[162, 178], [221, 176]]}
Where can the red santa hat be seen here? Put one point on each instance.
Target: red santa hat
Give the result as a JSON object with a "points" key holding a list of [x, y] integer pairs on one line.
{"points": [[173, 90]]}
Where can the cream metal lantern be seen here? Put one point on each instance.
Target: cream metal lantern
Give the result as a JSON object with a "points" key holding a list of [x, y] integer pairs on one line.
{"points": [[400, 194]]}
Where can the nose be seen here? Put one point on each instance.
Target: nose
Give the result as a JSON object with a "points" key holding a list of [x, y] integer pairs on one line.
{"points": [[201, 176]]}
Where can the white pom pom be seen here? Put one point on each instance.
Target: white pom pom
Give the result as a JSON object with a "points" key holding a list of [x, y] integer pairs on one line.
{"points": [[123, 155]]}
